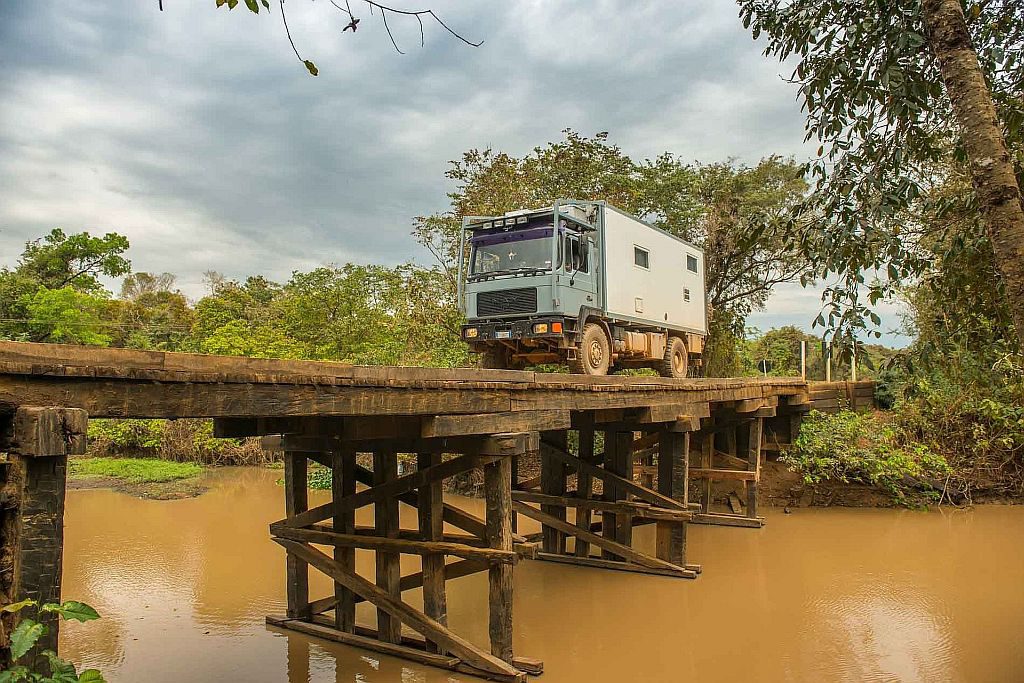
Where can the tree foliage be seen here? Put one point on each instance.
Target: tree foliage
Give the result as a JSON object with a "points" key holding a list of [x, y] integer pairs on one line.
{"points": [[877, 107]]}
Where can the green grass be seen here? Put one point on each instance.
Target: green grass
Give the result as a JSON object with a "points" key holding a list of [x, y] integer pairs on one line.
{"points": [[135, 470]]}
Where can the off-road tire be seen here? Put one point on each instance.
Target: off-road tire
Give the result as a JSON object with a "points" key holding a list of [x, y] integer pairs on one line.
{"points": [[496, 358], [594, 354], [676, 361]]}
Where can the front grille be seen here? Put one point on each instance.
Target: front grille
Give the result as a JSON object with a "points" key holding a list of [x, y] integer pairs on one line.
{"points": [[506, 301]]}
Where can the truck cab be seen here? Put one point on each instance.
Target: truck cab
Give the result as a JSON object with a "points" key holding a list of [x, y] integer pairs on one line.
{"points": [[534, 286]]}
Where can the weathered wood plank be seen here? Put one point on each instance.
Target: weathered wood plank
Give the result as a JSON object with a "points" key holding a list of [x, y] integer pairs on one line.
{"points": [[552, 483], [493, 423], [584, 483], [673, 480], [389, 545], [498, 497], [613, 547], [372, 644], [111, 398], [343, 483], [431, 526], [389, 570], [296, 496]]}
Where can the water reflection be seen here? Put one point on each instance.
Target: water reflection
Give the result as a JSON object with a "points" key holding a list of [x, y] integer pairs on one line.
{"points": [[838, 595]]}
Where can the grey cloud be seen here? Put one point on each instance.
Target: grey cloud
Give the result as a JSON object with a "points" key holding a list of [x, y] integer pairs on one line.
{"points": [[196, 133]]}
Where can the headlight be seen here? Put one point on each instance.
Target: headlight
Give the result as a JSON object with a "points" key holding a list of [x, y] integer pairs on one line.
{"points": [[471, 332], [540, 328]]}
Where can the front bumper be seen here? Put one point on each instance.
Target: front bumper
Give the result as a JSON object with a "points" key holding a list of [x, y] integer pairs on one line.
{"points": [[514, 330]]}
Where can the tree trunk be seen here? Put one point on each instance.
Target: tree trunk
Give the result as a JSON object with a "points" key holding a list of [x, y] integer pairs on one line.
{"points": [[995, 185]]}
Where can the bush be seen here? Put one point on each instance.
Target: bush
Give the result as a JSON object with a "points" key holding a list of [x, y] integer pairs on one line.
{"points": [[978, 427], [865, 448], [176, 440]]}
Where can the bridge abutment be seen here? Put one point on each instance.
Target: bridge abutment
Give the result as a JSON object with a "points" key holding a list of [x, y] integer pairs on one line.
{"points": [[38, 442]]}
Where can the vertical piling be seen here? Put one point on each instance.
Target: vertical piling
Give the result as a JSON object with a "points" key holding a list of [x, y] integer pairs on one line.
{"points": [[296, 500]]}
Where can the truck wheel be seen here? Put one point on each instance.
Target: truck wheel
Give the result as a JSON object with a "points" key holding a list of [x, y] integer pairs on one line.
{"points": [[594, 353], [495, 358], [676, 359]]}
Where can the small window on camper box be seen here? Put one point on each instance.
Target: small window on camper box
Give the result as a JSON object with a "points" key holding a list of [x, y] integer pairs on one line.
{"points": [[691, 263], [641, 257], [686, 294]]}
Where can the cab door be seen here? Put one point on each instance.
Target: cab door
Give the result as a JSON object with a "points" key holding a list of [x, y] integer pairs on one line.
{"points": [[577, 276]]}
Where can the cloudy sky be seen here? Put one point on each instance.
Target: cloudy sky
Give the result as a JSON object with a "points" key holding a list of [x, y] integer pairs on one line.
{"points": [[196, 132]]}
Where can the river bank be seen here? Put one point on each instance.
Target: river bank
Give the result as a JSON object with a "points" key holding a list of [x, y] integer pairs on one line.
{"points": [[780, 487], [820, 594]]}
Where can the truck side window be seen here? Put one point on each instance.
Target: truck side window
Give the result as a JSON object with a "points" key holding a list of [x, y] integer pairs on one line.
{"points": [[576, 259], [641, 257]]}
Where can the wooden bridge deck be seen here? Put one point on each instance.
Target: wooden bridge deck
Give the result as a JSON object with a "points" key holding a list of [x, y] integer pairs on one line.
{"points": [[634, 435], [128, 383]]}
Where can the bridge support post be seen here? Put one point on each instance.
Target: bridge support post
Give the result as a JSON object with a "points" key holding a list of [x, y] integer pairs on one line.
{"points": [[481, 545], [623, 503], [33, 482]]}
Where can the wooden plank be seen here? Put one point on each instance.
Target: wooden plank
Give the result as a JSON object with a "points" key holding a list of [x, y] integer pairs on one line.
{"points": [[343, 483], [635, 508], [753, 443], [337, 636], [401, 611], [296, 497], [614, 548], [584, 484], [673, 480], [389, 545], [113, 398], [498, 498], [727, 520], [609, 490], [431, 526], [608, 477], [385, 516], [617, 565], [553, 483], [493, 423], [712, 473]]}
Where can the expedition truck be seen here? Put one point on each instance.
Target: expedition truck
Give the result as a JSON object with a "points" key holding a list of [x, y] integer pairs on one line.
{"points": [[582, 283]]}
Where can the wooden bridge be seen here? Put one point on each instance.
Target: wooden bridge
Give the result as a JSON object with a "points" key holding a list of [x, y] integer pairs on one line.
{"points": [[616, 451]]}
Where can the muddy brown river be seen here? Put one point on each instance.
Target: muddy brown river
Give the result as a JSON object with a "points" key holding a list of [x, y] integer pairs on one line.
{"points": [[818, 595]]}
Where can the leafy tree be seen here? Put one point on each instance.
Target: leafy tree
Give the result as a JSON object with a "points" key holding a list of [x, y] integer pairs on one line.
{"points": [[893, 88], [77, 261], [66, 316], [59, 262], [151, 314]]}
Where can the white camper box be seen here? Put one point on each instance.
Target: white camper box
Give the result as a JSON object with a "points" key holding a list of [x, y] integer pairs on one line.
{"points": [[651, 276]]}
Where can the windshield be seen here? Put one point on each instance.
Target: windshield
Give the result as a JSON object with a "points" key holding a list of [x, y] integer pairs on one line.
{"points": [[508, 252]]}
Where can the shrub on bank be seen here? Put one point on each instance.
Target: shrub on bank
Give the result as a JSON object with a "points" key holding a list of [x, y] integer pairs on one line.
{"points": [[175, 440], [978, 427], [866, 448]]}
